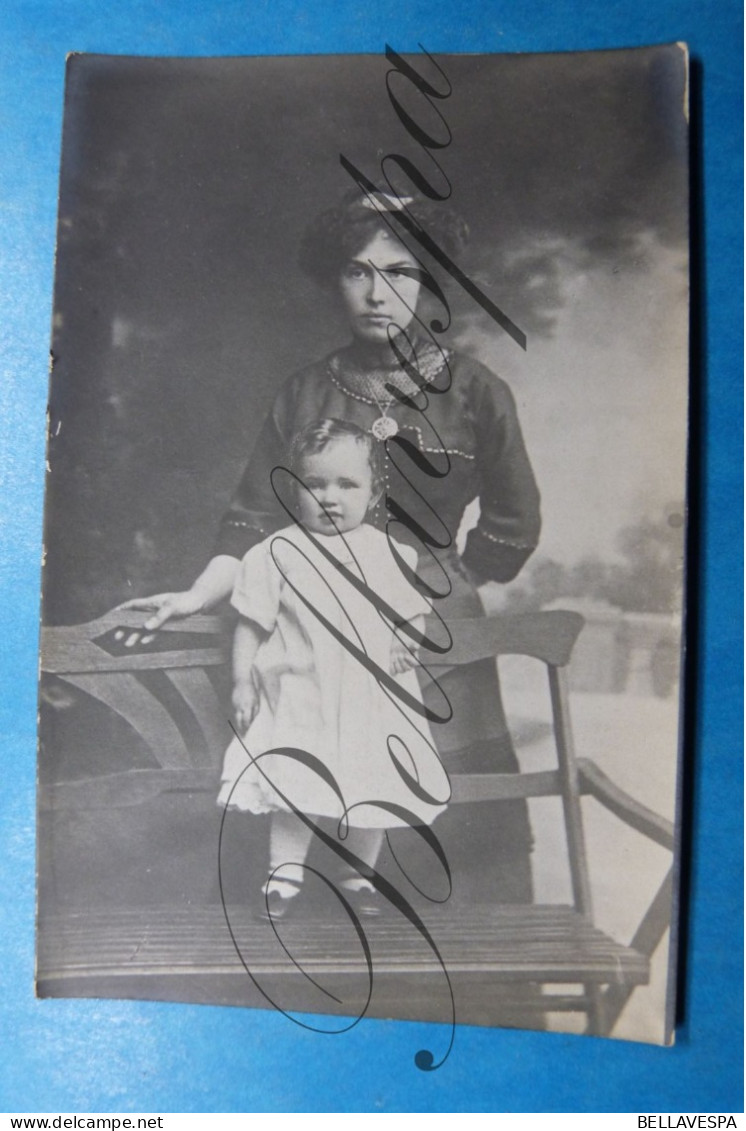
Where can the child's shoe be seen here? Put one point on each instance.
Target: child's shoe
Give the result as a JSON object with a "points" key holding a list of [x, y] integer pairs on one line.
{"points": [[279, 897], [363, 898]]}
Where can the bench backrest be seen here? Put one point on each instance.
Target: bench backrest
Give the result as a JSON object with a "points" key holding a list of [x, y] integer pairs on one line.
{"points": [[162, 685]]}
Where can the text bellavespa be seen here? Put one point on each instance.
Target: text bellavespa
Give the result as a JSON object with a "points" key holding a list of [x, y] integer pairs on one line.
{"points": [[701, 1122]]}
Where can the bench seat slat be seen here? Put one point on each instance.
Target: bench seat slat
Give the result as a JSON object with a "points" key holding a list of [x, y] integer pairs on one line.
{"points": [[514, 946], [125, 789]]}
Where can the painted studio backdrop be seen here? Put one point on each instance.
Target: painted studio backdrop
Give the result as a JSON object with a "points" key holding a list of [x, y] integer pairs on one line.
{"points": [[180, 313]]}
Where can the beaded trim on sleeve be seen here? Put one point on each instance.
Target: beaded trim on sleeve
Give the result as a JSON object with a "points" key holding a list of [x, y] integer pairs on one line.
{"points": [[245, 525], [514, 543]]}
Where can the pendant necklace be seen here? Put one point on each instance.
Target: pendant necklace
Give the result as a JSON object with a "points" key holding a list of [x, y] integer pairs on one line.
{"points": [[385, 426], [374, 387]]}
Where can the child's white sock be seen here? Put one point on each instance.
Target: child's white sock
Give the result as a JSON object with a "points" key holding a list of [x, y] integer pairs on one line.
{"points": [[289, 841], [365, 843]]}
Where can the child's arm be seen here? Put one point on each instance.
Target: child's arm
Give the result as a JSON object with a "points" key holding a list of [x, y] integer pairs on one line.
{"points": [[404, 652], [246, 643]]}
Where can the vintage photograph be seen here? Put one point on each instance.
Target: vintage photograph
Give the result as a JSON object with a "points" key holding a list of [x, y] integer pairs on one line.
{"points": [[364, 538]]}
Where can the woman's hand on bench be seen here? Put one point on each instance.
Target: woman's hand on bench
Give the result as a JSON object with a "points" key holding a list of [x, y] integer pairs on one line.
{"points": [[165, 606], [212, 586]]}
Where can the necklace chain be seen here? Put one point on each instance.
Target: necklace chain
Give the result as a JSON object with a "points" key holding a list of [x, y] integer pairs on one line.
{"points": [[380, 386]]}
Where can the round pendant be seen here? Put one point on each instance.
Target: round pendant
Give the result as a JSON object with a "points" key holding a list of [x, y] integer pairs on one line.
{"points": [[384, 428]]}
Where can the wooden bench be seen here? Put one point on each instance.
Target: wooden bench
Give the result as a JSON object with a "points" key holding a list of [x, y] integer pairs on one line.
{"points": [[207, 952]]}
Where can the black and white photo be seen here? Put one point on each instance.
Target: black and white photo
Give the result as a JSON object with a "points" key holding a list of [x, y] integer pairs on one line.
{"points": [[364, 538]]}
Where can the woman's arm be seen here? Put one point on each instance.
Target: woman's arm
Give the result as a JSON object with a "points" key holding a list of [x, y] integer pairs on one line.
{"points": [[510, 519], [253, 514], [212, 586], [255, 511]]}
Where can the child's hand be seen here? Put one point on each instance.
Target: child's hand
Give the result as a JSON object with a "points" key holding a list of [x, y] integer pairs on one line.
{"points": [[245, 704], [402, 658]]}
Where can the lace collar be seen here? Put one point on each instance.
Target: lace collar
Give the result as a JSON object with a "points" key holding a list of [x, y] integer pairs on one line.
{"points": [[366, 373]]}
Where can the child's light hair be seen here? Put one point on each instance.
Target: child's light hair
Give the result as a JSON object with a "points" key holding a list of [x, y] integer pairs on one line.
{"points": [[315, 437]]}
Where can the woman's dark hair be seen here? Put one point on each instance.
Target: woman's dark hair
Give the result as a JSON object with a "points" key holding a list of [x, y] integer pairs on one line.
{"points": [[339, 233], [316, 436]]}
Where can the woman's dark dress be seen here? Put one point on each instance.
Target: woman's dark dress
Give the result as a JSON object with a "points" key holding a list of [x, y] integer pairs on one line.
{"points": [[465, 445]]}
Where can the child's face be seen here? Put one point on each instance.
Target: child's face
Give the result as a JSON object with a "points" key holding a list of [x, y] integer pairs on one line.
{"points": [[340, 487]]}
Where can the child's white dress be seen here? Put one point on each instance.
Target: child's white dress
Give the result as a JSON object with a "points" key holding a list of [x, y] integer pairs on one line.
{"points": [[315, 696]]}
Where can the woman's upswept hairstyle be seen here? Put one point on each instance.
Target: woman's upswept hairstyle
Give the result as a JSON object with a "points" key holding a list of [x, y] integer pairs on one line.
{"points": [[340, 232]]}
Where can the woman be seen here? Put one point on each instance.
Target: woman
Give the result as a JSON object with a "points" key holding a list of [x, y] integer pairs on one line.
{"points": [[452, 435]]}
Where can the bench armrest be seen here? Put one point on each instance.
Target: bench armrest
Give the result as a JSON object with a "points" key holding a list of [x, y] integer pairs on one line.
{"points": [[595, 782]]}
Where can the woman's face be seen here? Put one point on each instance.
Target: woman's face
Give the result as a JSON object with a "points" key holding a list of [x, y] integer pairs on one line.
{"points": [[380, 288]]}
